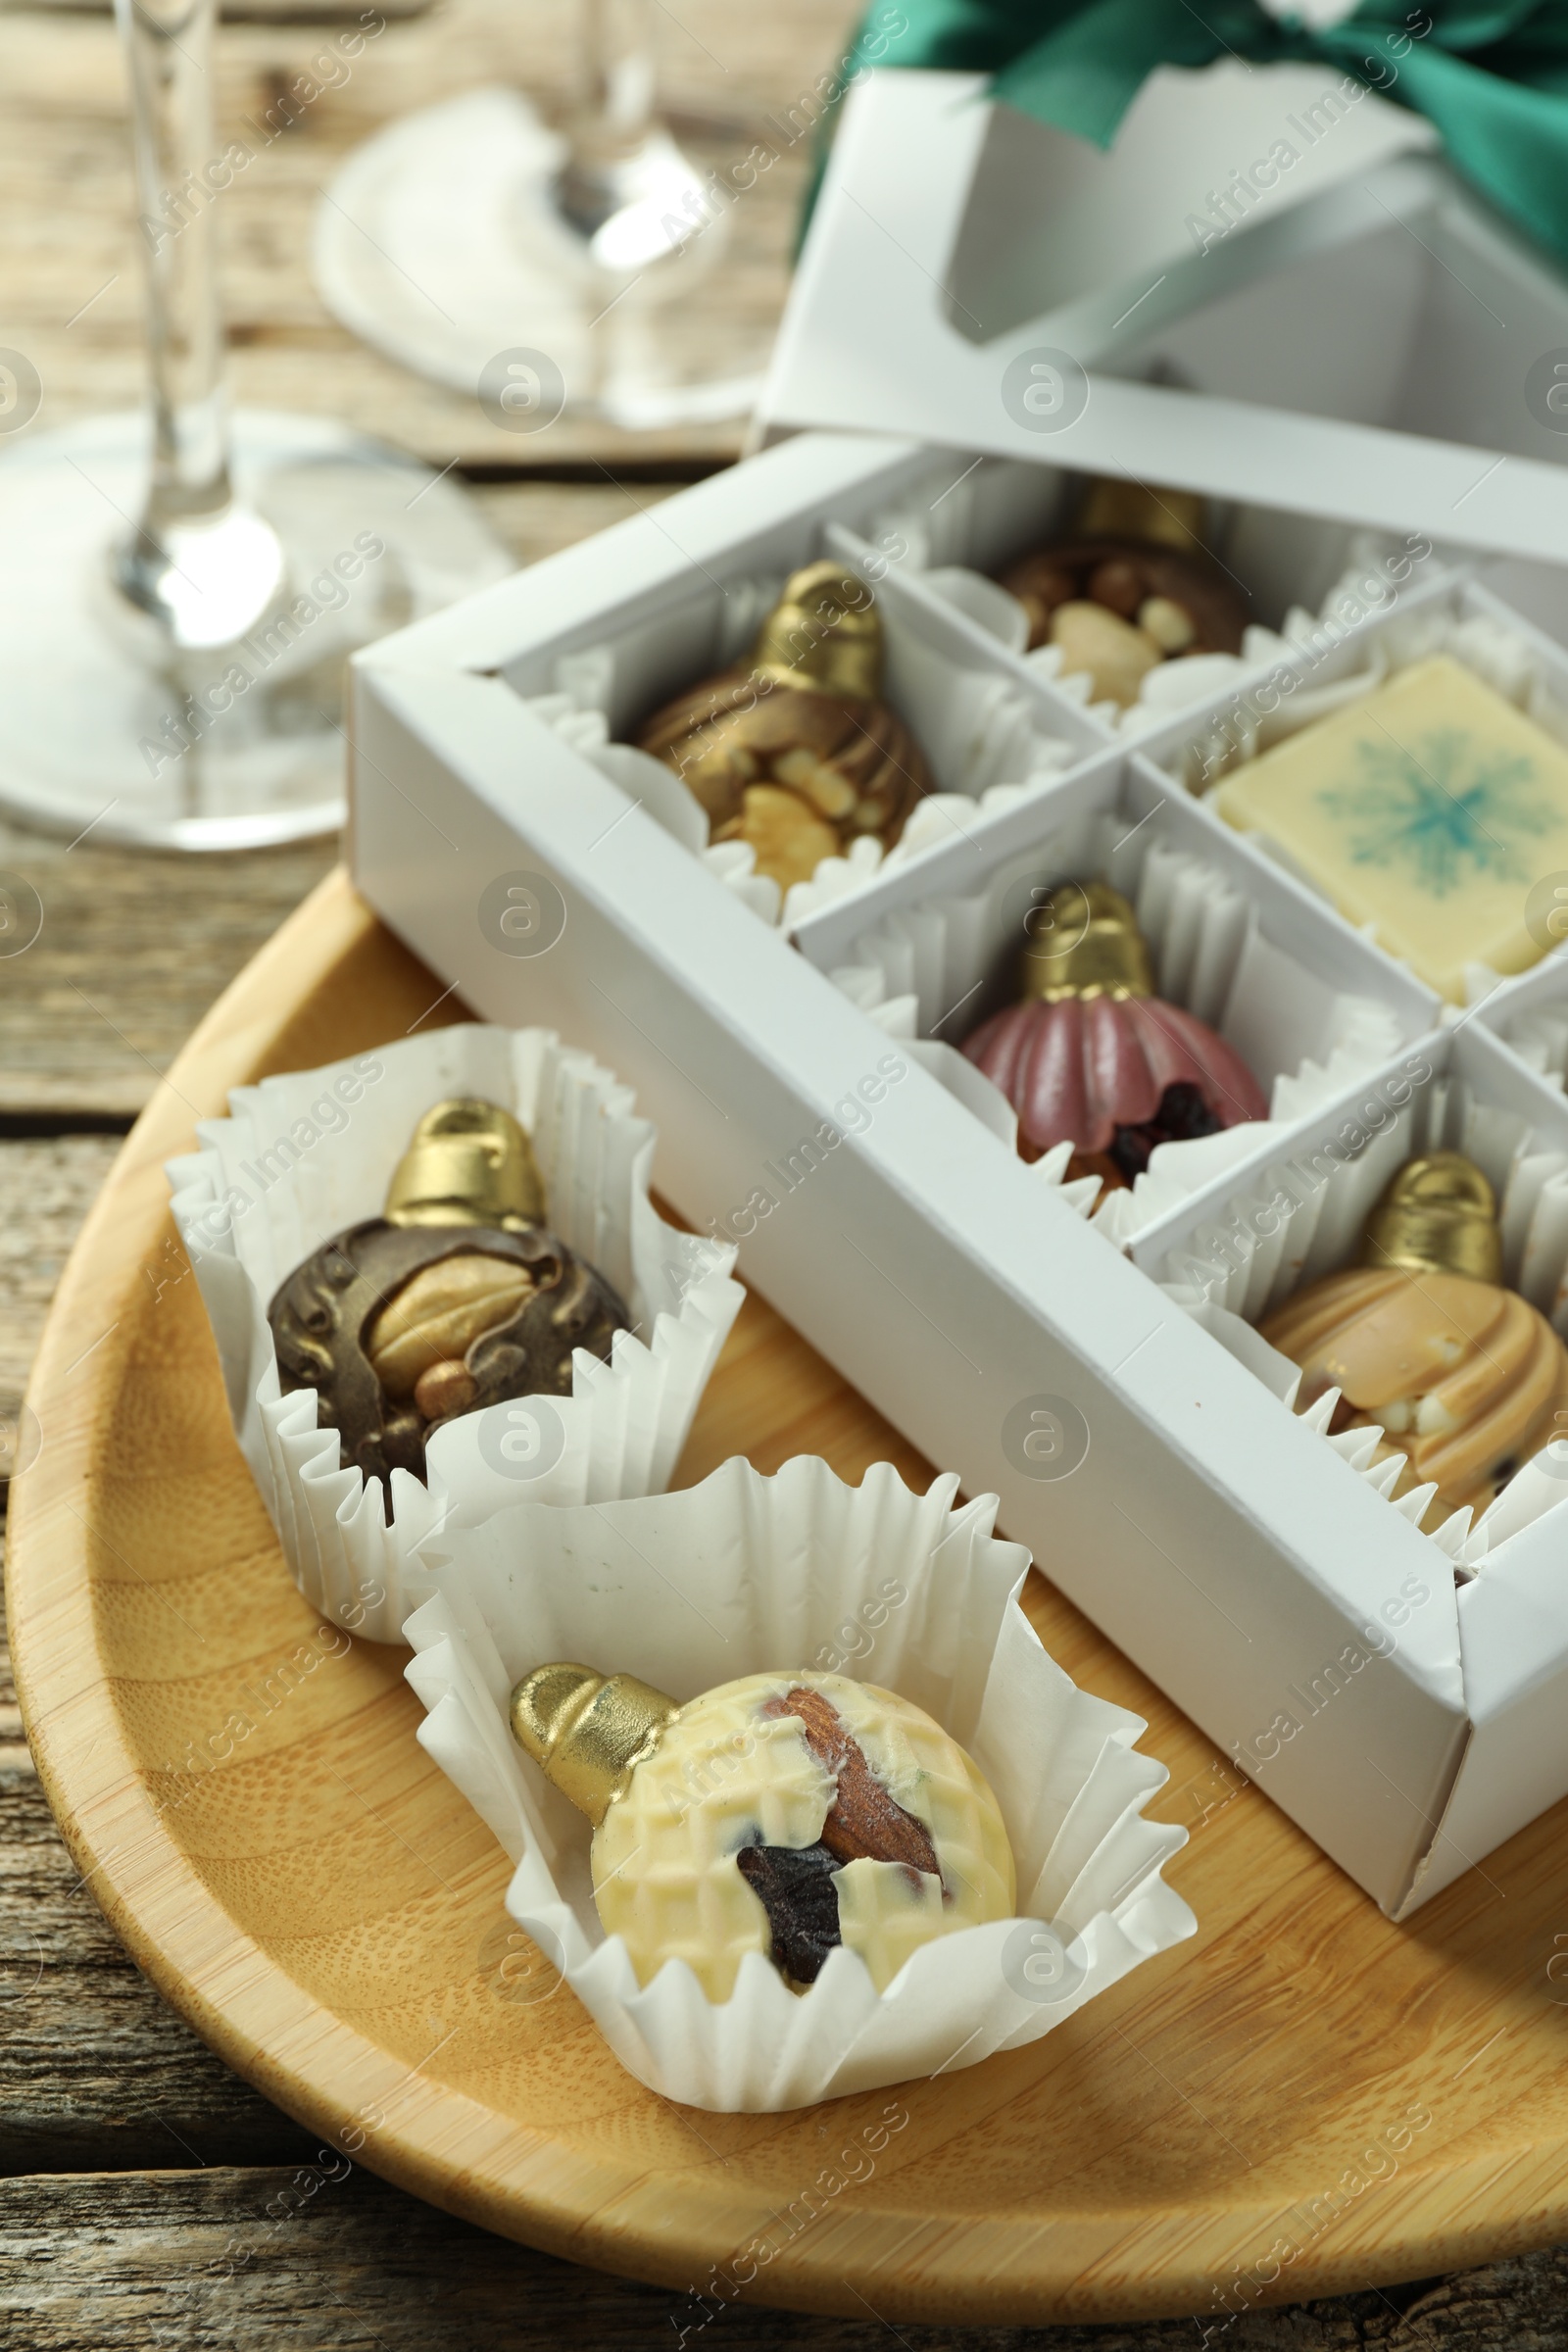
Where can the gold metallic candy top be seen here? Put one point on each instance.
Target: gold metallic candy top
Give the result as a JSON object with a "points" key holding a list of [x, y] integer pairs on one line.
{"points": [[1438, 1216], [588, 1732], [825, 635], [1120, 510], [1084, 940], [470, 1163]]}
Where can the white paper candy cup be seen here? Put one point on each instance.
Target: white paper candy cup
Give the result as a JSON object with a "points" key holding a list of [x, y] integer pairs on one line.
{"points": [[302, 1156], [745, 1574]]}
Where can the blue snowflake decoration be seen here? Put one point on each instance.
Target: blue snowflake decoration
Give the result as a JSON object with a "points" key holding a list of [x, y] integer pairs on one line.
{"points": [[1443, 812]]}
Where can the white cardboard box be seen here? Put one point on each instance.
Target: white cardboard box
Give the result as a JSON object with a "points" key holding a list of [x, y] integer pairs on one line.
{"points": [[1215, 1537], [1361, 343]]}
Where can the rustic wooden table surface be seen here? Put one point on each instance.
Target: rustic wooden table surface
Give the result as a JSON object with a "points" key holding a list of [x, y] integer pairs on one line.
{"points": [[140, 2180]]}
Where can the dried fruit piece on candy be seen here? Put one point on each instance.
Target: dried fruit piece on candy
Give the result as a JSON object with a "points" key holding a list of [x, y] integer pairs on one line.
{"points": [[1115, 655], [1170, 624], [865, 1820], [788, 837], [797, 1887], [439, 1314], [1182, 1117]]}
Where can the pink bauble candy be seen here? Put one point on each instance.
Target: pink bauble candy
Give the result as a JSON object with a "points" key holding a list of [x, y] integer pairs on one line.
{"points": [[1076, 1069]]}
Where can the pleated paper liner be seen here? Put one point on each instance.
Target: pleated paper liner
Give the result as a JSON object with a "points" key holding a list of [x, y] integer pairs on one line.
{"points": [[304, 1155], [746, 1575]]}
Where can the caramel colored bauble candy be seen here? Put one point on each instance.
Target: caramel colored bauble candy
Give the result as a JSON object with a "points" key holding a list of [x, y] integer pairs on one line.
{"points": [[784, 1814], [455, 1298], [793, 751], [1463, 1378]]}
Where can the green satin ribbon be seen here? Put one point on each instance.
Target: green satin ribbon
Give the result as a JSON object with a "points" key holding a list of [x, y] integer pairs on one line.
{"points": [[1492, 79]]}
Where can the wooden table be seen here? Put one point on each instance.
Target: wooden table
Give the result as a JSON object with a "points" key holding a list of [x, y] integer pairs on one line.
{"points": [[142, 2194]]}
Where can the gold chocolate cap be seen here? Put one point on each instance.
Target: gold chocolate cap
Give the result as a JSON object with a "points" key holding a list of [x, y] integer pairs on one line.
{"points": [[1084, 940], [1438, 1216], [825, 634], [587, 1733], [1121, 509], [470, 1163]]}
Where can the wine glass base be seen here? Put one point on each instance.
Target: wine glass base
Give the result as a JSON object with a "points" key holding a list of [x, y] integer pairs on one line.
{"points": [[107, 732], [440, 244]]}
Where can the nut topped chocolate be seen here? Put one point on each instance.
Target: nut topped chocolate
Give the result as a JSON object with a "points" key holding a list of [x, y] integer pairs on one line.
{"points": [[1463, 1377], [793, 751], [784, 1814], [1131, 587], [457, 1298]]}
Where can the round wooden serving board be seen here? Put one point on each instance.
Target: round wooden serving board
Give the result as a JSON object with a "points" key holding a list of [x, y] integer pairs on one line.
{"points": [[1305, 2099]]}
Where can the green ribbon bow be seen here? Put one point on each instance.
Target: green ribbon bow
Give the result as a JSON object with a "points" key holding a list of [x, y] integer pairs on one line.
{"points": [[1492, 78]]}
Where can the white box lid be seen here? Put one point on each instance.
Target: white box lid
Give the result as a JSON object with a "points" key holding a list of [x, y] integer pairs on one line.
{"points": [[1361, 343]]}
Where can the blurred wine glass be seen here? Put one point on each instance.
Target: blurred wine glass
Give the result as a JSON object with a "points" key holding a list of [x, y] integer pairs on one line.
{"points": [[577, 270], [180, 589]]}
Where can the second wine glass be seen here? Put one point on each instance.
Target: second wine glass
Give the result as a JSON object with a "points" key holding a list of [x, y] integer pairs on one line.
{"points": [[580, 269]]}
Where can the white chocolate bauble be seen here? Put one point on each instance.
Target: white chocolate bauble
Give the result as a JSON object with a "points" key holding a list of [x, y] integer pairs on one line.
{"points": [[725, 1776]]}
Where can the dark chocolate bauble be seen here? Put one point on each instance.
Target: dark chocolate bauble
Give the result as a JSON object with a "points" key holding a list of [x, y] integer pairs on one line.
{"points": [[1069, 568], [323, 1317]]}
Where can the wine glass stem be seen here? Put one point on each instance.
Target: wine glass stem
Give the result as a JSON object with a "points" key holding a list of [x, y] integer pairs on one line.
{"points": [[169, 50], [614, 112]]}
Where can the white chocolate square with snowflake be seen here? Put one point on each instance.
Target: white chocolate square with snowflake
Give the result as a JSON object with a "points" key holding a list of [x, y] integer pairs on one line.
{"points": [[1430, 809]]}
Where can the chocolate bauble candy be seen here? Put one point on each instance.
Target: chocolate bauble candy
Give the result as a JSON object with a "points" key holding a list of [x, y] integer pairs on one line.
{"points": [[1093, 1058], [792, 750], [1463, 1377], [1131, 587], [456, 1299], [784, 1814]]}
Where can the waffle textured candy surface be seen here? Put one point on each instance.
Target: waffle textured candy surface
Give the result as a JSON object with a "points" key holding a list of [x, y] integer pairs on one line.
{"points": [[729, 1773], [1429, 809]]}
